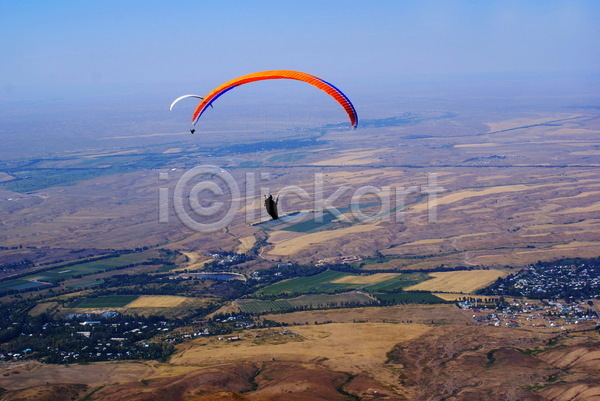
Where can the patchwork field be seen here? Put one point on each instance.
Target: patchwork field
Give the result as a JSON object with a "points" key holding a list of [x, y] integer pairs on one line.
{"points": [[308, 301], [331, 281], [367, 279], [289, 247], [458, 281]]}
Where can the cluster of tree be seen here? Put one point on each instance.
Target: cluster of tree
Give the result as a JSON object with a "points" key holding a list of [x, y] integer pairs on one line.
{"points": [[23, 264]]}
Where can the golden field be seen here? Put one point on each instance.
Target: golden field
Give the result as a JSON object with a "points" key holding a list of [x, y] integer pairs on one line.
{"points": [[156, 301], [458, 281]]}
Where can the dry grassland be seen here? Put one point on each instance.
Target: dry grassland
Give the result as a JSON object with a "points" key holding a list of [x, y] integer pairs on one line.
{"points": [[5, 177], [192, 263], [366, 176], [97, 374], [40, 308], [595, 207], [586, 153], [156, 301], [173, 150], [520, 122], [458, 281], [400, 314], [462, 195], [121, 153], [439, 240], [369, 280], [291, 246], [577, 244], [572, 249], [350, 347], [477, 145], [246, 243], [352, 157]]}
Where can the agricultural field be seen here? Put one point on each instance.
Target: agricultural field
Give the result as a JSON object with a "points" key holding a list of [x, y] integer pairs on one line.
{"points": [[411, 297], [308, 301], [65, 272], [19, 284], [107, 301], [331, 280], [458, 281], [156, 301]]}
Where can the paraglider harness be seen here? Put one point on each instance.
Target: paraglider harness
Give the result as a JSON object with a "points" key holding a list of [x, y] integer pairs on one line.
{"points": [[271, 206]]}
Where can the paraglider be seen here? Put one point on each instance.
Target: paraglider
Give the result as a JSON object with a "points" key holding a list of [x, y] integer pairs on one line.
{"points": [[277, 74], [192, 130], [183, 97], [271, 206]]}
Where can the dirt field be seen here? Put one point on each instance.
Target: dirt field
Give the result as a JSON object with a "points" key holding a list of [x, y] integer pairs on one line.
{"points": [[458, 281], [156, 301], [349, 347], [291, 246], [370, 279], [246, 244], [352, 157], [423, 314]]}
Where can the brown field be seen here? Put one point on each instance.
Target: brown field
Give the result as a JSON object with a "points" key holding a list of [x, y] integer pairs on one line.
{"points": [[370, 279], [519, 122], [246, 243], [40, 308], [350, 347], [477, 145], [458, 281], [352, 157], [5, 177], [292, 246], [156, 301], [423, 314], [173, 150], [462, 195]]}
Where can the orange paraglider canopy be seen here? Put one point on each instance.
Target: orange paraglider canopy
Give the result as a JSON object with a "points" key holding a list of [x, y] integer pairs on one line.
{"points": [[278, 74]]}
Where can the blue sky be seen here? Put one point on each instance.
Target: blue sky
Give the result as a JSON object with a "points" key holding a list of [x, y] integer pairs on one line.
{"points": [[152, 42]]}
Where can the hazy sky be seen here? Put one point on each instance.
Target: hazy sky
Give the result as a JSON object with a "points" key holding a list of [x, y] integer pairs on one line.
{"points": [[144, 41]]}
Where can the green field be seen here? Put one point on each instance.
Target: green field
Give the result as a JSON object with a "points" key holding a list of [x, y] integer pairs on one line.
{"points": [[317, 283], [87, 283], [322, 282], [310, 224], [402, 281], [260, 306], [108, 301], [18, 284], [62, 272], [310, 301], [67, 272]]}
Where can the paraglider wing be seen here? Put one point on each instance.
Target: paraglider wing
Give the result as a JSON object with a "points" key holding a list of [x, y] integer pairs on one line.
{"points": [[278, 74], [183, 97]]}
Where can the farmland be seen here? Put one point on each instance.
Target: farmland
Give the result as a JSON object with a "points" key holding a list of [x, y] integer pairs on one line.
{"points": [[309, 301], [108, 301], [331, 281], [69, 271], [458, 281]]}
